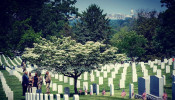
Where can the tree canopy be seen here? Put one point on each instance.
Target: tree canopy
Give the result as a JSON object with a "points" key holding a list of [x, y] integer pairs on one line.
{"points": [[70, 58]]}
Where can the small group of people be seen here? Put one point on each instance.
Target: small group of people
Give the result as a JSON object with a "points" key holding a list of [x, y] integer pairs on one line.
{"points": [[29, 81]]}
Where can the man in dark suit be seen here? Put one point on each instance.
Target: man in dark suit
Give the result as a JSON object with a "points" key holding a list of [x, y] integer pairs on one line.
{"points": [[25, 82]]}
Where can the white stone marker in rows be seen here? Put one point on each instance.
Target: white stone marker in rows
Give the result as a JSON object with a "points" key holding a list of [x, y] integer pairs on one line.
{"points": [[167, 69], [154, 69], [110, 81], [26, 96], [97, 74], [30, 95], [60, 89], [56, 76], [41, 96], [85, 75], [134, 77], [61, 78], [91, 89], [100, 80], [111, 90], [51, 97], [173, 72], [76, 97], [34, 89], [58, 97], [65, 97], [105, 74], [145, 73], [159, 73], [92, 78], [78, 83], [33, 96], [164, 79], [71, 81], [97, 90], [113, 74], [162, 65], [122, 83], [65, 79], [85, 85], [54, 88], [51, 84], [131, 91], [37, 96]]}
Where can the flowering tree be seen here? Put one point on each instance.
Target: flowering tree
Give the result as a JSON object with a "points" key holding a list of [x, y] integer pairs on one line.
{"points": [[70, 58]]}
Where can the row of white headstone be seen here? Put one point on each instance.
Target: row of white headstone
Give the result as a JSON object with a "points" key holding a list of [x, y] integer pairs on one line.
{"points": [[7, 90], [41, 96]]}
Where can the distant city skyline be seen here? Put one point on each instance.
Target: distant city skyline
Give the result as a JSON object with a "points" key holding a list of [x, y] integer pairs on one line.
{"points": [[123, 7]]}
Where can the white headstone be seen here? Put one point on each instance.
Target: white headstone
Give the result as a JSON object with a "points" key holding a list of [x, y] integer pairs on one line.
{"points": [[159, 73], [37, 96], [58, 97], [167, 69], [54, 88], [111, 90], [91, 89], [51, 97], [60, 89], [41, 96], [122, 83], [134, 77], [164, 79], [110, 81], [155, 69], [79, 77], [97, 74], [105, 74], [76, 97], [85, 85], [100, 80], [56, 76], [131, 91], [71, 81], [65, 79], [33, 96], [85, 75], [173, 72], [113, 74], [65, 97], [34, 89], [92, 78], [162, 65], [61, 78], [97, 90]]}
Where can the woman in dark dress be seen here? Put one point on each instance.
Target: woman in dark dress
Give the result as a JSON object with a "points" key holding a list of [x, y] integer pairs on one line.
{"points": [[35, 80]]}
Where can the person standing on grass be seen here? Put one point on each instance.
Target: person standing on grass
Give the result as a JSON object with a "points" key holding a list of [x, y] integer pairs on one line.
{"points": [[40, 82], [35, 80], [25, 82], [30, 83], [47, 80]]}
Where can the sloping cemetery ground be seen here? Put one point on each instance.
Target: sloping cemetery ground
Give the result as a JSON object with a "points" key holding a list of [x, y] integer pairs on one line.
{"points": [[16, 86], [2, 93]]}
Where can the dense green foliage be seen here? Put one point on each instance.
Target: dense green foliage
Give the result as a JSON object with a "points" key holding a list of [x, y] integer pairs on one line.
{"points": [[92, 26], [129, 42], [42, 16], [70, 58]]}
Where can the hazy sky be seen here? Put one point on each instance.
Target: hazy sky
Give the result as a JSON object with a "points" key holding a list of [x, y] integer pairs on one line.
{"points": [[120, 6]]}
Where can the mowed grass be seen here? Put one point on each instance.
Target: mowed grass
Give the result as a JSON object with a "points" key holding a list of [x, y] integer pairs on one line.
{"points": [[15, 85]]}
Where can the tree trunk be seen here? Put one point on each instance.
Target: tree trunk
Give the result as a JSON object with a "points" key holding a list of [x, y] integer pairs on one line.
{"points": [[75, 85]]}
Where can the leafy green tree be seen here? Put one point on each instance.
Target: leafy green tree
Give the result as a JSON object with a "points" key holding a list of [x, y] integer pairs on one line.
{"points": [[166, 31], [93, 25], [146, 25], [129, 42], [70, 58], [20, 16]]}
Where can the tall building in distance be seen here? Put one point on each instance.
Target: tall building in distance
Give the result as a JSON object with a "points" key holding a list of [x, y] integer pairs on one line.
{"points": [[121, 16]]}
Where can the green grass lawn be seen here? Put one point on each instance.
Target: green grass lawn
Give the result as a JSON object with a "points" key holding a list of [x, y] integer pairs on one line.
{"points": [[15, 85]]}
